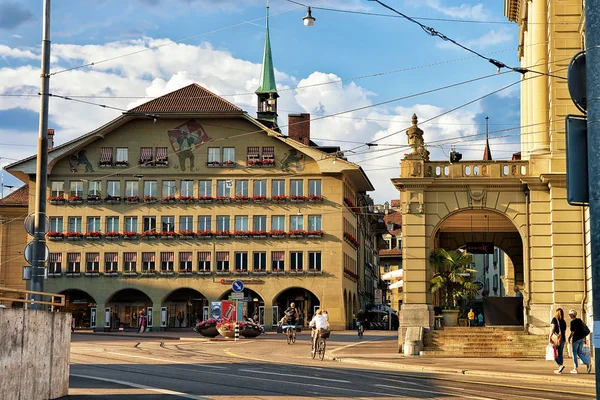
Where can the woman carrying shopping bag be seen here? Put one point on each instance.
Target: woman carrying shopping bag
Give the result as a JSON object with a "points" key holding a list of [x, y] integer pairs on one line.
{"points": [[558, 326]]}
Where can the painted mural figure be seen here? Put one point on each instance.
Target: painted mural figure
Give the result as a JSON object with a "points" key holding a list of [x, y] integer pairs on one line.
{"points": [[185, 140], [80, 158], [292, 158]]}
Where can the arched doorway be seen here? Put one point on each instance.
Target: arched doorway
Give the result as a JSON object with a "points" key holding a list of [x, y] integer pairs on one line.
{"points": [[496, 246], [79, 304], [125, 307], [306, 302], [495, 243], [253, 305], [184, 307]]}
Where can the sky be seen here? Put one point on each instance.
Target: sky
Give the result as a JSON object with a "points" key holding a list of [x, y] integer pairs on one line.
{"points": [[369, 70]]}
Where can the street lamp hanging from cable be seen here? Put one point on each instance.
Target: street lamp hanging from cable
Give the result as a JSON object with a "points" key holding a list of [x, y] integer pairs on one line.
{"points": [[309, 20]]}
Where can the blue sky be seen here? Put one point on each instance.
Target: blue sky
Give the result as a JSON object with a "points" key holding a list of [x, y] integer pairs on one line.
{"points": [[377, 58]]}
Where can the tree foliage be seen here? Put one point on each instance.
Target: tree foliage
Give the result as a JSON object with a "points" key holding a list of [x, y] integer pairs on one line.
{"points": [[453, 276]]}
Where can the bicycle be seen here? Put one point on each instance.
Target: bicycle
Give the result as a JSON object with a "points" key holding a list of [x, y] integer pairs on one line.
{"points": [[361, 330], [321, 345], [290, 334]]}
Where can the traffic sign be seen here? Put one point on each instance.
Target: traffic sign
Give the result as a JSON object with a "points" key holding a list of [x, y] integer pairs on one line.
{"points": [[237, 296], [237, 286], [28, 252], [378, 296], [30, 224]]}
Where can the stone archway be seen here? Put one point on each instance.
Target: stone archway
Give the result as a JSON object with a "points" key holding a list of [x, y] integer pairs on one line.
{"points": [[184, 307], [79, 303], [125, 306], [464, 227], [304, 299]]}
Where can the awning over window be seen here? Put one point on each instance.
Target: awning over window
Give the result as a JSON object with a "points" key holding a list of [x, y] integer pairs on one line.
{"points": [[167, 257], [130, 257], [146, 153], [222, 256], [111, 257], [395, 274], [161, 154], [185, 256], [92, 257], [204, 256], [253, 151], [106, 154], [73, 257], [55, 257], [269, 151], [278, 255], [148, 257]]}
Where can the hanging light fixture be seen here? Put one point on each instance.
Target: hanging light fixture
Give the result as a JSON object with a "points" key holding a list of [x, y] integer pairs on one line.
{"points": [[309, 20]]}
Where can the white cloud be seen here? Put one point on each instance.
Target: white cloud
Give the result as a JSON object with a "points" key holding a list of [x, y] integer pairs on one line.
{"points": [[8, 52], [489, 39], [463, 11]]}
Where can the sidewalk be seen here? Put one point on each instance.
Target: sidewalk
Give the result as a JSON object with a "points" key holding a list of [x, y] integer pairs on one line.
{"points": [[379, 349], [384, 353]]}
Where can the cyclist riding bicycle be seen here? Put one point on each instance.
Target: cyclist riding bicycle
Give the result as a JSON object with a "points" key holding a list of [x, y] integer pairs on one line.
{"points": [[319, 324], [360, 322], [290, 315]]}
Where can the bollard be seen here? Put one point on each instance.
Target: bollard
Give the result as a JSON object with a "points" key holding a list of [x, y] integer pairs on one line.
{"points": [[236, 332]]}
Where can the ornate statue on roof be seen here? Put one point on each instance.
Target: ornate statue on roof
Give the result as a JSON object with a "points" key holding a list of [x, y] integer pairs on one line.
{"points": [[416, 142]]}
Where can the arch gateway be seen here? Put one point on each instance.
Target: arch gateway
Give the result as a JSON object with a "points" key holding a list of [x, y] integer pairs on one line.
{"points": [[509, 203]]}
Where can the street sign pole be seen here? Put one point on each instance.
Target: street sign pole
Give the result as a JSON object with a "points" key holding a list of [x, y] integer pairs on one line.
{"points": [[41, 178], [592, 35]]}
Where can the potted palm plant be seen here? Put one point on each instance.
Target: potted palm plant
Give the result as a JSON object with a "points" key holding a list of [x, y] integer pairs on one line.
{"points": [[453, 277]]}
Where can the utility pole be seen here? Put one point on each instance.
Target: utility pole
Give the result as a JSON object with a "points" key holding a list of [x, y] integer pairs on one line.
{"points": [[592, 65], [39, 238]]}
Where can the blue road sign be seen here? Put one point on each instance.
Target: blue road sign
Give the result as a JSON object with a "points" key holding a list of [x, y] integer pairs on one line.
{"points": [[237, 286]]}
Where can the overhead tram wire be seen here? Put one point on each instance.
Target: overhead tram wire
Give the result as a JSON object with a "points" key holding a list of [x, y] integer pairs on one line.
{"points": [[456, 108], [472, 21], [432, 32], [376, 74]]}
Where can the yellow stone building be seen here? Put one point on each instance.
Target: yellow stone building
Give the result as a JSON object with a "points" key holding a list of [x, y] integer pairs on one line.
{"points": [[168, 204], [13, 210], [520, 206]]}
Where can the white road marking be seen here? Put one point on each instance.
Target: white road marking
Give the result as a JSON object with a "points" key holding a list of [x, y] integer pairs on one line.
{"points": [[150, 388], [166, 361], [294, 376], [464, 396], [352, 345]]}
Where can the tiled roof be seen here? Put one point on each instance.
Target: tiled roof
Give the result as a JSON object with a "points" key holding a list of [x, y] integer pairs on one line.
{"points": [[393, 217], [18, 198], [192, 98], [390, 252], [396, 203]]}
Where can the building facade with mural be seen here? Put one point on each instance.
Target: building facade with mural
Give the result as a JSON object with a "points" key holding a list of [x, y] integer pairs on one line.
{"points": [[519, 206], [168, 204]]}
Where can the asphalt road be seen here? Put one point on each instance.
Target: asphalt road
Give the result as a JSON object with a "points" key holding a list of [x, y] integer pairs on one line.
{"points": [[109, 368]]}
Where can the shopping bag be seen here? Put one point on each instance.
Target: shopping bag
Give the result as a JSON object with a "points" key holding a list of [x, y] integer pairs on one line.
{"points": [[551, 352], [587, 352]]}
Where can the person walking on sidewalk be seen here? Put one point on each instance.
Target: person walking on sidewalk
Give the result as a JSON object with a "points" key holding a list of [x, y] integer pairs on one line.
{"points": [[579, 332], [558, 327], [142, 320]]}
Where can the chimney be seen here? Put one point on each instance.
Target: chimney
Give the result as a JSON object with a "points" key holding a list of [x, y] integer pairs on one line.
{"points": [[50, 139], [299, 128]]}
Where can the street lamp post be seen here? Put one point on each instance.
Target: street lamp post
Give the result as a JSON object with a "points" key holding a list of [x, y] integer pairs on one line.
{"points": [[39, 240]]}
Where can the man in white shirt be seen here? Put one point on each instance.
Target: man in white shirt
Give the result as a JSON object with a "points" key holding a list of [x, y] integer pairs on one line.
{"points": [[318, 322]]}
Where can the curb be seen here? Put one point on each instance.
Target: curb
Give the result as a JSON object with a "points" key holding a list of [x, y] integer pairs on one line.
{"points": [[156, 337], [471, 372]]}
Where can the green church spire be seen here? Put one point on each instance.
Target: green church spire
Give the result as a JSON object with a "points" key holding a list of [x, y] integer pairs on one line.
{"points": [[267, 75]]}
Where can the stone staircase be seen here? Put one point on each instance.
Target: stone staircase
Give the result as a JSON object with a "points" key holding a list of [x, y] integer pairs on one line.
{"points": [[483, 342]]}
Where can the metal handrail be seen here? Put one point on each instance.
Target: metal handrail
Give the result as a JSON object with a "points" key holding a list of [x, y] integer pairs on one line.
{"points": [[56, 300]]}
